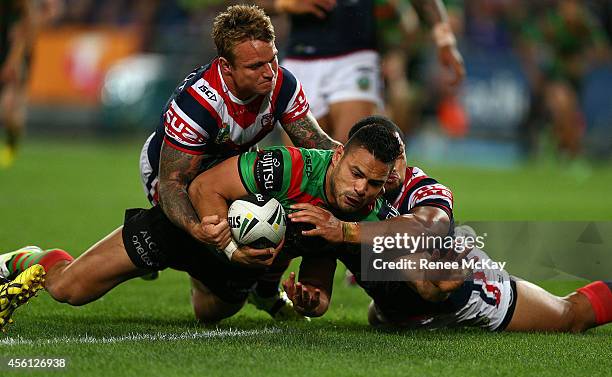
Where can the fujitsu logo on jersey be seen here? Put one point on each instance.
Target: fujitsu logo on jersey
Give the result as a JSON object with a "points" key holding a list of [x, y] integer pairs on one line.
{"points": [[269, 170]]}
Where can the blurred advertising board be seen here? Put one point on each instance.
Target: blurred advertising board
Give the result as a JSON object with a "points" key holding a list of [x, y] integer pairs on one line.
{"points": [[69, 64]]}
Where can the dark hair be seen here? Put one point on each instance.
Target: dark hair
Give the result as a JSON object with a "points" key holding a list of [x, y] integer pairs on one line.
{"points": [[376, 119], [377, 135], [240, 23]]}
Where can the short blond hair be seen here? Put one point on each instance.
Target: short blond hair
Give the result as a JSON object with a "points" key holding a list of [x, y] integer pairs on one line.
{"points": [[240, 23]]}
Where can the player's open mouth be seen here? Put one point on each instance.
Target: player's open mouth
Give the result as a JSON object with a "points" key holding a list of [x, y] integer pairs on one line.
{"points": [[352, 202]]}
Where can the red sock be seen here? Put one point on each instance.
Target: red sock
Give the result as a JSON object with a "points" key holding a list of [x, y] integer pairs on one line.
{"points": [[600, 296], [52, 256]]}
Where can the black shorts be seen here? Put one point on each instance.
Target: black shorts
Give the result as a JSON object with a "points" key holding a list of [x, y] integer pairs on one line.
{"points": [[153, 242]]}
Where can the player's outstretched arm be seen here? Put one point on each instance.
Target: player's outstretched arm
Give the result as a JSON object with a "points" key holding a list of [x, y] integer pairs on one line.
{"points": [[425, 220], [306, 132]]}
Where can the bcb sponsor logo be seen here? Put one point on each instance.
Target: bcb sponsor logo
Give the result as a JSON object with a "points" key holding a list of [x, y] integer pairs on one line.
{"points": [[269, 170]]}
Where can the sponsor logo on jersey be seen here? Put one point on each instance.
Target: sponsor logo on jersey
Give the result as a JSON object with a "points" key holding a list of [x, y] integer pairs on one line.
{"points": [[429, 192], [180, 130], [208, 93], [308, 165], [269, 170]]}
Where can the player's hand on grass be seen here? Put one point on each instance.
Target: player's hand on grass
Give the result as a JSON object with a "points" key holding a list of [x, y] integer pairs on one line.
{"points": [[326, 224], [451, 59], [251, 257], [306, 299], [213, 231], [318, 8]]}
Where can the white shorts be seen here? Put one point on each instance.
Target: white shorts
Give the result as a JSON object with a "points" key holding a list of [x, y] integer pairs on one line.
{"points": [[490, 305], [354, 76], [148, 180]]}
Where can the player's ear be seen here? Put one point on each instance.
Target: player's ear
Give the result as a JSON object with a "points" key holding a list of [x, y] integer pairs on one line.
{"points": [[338, 153], [225, 65]]}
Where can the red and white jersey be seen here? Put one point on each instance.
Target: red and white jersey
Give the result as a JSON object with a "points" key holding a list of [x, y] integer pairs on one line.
{"points": [[204, 118], [419, 189]]}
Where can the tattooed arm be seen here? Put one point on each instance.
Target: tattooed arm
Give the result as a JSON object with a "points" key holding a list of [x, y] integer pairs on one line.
{"points": [[176, 171], [305, 132]]}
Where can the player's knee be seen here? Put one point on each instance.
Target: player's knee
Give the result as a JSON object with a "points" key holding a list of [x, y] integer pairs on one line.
{"points": [[66, 290], [209, 309], [210, 314]]}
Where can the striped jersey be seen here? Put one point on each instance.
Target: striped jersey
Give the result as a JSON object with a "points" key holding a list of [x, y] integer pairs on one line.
{"points": [[419, 189], [202, 117]]}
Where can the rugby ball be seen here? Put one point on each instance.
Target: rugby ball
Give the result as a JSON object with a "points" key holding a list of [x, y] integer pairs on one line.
{"points": [[257, 220]]}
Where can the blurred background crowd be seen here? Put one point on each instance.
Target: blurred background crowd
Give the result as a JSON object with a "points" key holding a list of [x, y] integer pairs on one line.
{"points": [[539, 73]]}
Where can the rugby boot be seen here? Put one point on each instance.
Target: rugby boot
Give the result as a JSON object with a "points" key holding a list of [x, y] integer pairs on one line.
{"points": [[18, 291]]}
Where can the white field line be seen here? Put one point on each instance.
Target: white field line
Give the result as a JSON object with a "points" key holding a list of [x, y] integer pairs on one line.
{"points": [[137, 337]]}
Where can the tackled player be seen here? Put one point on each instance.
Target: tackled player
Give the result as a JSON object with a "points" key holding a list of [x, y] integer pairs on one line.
{"points": [[347, 180]]}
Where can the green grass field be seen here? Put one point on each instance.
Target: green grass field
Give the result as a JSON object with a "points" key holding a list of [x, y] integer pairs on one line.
{"points": [[70, 195]]}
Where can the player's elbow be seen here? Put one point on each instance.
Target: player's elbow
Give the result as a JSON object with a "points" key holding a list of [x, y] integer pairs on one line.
{"points": [[197, 189]]}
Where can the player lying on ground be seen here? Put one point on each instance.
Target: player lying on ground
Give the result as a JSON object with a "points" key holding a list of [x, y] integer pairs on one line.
{"points": [[491, 298], [220, 110], [347, 180]]}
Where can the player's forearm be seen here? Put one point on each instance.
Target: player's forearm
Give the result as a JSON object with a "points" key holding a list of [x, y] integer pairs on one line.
{"points": [[175, 203], [206, 200], [431, 12], [410, 224], [176, 171], [306, 132]]}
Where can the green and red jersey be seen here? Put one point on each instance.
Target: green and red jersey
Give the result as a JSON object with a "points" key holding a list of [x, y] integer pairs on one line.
{"points": [[297, 175]]}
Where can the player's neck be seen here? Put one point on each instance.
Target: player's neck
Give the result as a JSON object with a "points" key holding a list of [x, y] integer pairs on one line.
{"points": [[327, 187], [235, 91]]}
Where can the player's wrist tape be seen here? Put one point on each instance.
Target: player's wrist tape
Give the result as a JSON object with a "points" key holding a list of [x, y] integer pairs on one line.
{"points": [[443, 35], [348, 232], [230, 249]]}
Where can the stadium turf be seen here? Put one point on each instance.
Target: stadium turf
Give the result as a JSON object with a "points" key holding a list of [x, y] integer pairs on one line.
{"points": [[71, 194]]}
